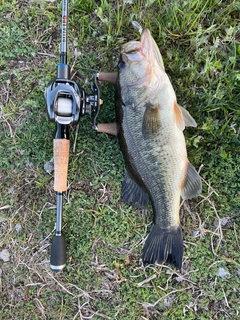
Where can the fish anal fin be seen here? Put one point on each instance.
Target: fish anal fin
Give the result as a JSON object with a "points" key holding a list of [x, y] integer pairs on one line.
{"points": [[151, 120], [183, 118], [192, 184], [132, 194], [164, 245]]}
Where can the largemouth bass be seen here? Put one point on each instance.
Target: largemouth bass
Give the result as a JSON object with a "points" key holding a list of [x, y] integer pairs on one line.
{"points": [[151, 125]]}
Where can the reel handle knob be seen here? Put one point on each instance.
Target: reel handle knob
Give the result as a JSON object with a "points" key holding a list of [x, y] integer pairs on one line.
{"points": [[58, 253]]}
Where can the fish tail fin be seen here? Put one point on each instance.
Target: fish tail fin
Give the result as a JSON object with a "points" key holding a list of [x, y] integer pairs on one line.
{"points": [[164, 245]]}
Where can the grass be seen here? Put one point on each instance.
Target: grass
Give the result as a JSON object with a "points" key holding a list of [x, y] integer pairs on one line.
{"points": [[104, 279]]}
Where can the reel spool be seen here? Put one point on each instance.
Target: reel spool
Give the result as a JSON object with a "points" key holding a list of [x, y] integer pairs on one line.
{"points": [[64, 101]]}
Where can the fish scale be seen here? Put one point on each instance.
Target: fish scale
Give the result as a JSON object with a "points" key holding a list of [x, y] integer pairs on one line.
{"points": [[150, 167]]}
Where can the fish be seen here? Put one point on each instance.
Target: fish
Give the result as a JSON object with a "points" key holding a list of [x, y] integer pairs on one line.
{"points": [[150, 132]]}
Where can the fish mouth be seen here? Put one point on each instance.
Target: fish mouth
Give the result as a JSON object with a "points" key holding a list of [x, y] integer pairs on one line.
{"points": [[150, 49], [136, 45], [141, 67], [146, 48], [131, 49]]}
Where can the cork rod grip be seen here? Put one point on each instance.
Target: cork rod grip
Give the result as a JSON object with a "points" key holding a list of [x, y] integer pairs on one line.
{"points": [[110, 77], [61, 156], [110, 128]]}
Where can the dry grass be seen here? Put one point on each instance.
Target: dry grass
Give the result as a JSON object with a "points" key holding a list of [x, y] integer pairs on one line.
{"points": [[104, 277]]}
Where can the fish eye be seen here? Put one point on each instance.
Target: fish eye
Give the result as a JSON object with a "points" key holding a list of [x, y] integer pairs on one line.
{"points": [[121, 65]]}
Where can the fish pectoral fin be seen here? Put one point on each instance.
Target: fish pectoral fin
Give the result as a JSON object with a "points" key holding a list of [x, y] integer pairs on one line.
{"points": [[183, 117], [188, 119], [132, 194], [151, 120], [192, 183]]}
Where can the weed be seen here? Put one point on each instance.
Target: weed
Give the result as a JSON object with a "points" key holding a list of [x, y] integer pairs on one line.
{"points": [[104, 277]]}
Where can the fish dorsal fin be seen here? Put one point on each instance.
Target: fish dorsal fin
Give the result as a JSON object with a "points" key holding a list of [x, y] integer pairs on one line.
{"points": [[192, 185], [151, 120], [183, 117]]}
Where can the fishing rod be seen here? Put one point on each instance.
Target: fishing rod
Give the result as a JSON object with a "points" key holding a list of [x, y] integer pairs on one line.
{"points": [[66, 103]]}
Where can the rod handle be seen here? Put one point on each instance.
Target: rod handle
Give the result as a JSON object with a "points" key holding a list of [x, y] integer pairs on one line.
{"points": [[110, 77], [58, 253], [61, 156], [110, 128]]}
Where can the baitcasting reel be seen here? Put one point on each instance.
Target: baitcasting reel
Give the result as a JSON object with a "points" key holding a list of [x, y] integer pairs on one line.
{"points": [[67, 102]]}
